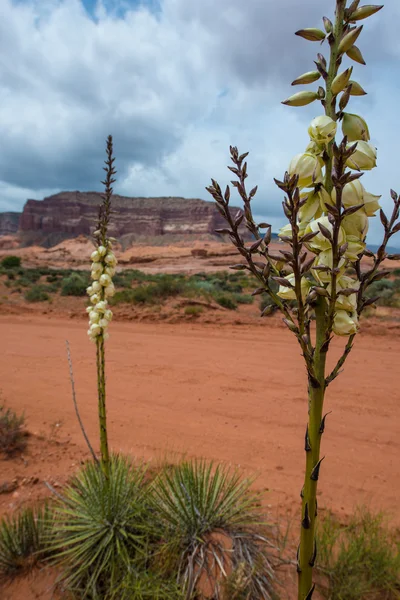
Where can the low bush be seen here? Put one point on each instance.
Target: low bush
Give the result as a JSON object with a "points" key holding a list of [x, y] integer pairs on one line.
{"points": [[226, 301], [24, 540], [37, 293], [358, 560], [74, 285], [211, 525], [193, 310], [11, 262], [12, 435]]}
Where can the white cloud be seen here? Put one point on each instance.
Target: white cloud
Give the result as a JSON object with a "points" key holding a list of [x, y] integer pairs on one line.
{"points": [[175, 88]]}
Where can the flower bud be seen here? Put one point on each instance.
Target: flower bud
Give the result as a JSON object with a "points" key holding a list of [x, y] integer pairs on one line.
{"points": [[355, 128], [349, 39], [309, 77], [102, 250], [105, 280], [322, 129], [289, 293], [109, 291], [341, 80], [312, 34], [364, 11], [355, 54], [301, 99], [356, 89], [364, 157], [345, 323], [307, 167], [95, 256]]}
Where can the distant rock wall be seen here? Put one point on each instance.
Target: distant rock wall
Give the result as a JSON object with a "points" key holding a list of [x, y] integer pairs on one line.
{"points": [[9, 223], [69, 214]]}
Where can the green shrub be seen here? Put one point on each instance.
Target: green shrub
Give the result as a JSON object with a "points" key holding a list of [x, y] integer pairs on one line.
{"points": [[37, 293], [193, 311], [243, 298], [11, 262], [24, 539], [227, 301], [74, 285], [101, 527], [359, 560], [12, 436], [211, 521]]}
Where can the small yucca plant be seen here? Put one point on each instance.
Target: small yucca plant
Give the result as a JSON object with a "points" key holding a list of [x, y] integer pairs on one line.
{"points": [[101, 527], [211, 524], [24, 539]]}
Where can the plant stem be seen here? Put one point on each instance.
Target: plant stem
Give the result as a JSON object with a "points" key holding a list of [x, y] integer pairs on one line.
{"points": [[101, 388], [307, 548]]}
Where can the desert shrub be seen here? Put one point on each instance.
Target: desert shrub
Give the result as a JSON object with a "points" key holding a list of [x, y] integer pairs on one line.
{"points": [[359, 560], [243, 298], [396, 272], [37, 293], [388, 292], [211, 523], [11, 262], [74, 285], [101, 527], [12, 435], [193, 311], [139, 585], [53, 278], [24, 539], [226, 301], [32, 275]]}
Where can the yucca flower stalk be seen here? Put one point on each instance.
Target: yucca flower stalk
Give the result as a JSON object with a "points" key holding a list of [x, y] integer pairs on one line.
{"points": [[321, 269], [102, 288]]}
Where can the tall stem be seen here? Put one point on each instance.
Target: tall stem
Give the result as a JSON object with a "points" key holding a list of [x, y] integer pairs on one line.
{"points": [[315, 426], [101, 389]]}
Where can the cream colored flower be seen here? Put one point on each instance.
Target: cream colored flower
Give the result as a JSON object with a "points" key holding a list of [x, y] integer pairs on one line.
{"points": [[105, 280], [109, 290], [95, 329], [94, 299], [325, 259], [312, 208], [97, 270], [354, 193], [364, 157], [109, 271], [108, 315], [103, 323], [289, 293], [94, 316], [322, 129], [90, 290], [95, 256], [348, 303], [102, 306], [354, 248], [320, 242], [96, 286], [307, 167], [371, 204], [286, 231], [345, 323], [111, 259], [356, 225], [102, 250]]}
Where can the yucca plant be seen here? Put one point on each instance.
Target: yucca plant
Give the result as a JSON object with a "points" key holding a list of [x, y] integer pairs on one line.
{"points": [[211, 523], [145, 585], [102, 527], [322, 275], [24, 539]]}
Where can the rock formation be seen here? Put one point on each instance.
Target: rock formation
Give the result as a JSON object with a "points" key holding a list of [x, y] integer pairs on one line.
{"points": [[9, 222], [69, 214]]}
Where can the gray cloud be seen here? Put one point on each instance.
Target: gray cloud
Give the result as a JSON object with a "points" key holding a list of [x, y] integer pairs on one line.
{"points": [[175, 87]]}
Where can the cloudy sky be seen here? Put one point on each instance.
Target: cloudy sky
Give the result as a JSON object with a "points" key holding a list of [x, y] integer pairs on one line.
{"points": [[175, 82]]}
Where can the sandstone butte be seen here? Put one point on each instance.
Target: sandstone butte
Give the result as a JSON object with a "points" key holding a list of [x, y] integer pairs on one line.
{"points": [[70, 214]]}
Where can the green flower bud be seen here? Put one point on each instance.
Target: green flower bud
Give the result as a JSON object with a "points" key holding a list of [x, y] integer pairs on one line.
{"points": [[364, 157], [355, 54], [356, 89], [309, 77], [345, 323], [355, 128], [341, 80], [364, 11], [349, 39], [311, 34], [322, 129], [301, 99], [327, 24], [307, 167]]}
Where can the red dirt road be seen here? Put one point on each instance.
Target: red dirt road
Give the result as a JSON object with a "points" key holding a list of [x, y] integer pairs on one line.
{"points": [[236, 394]]}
